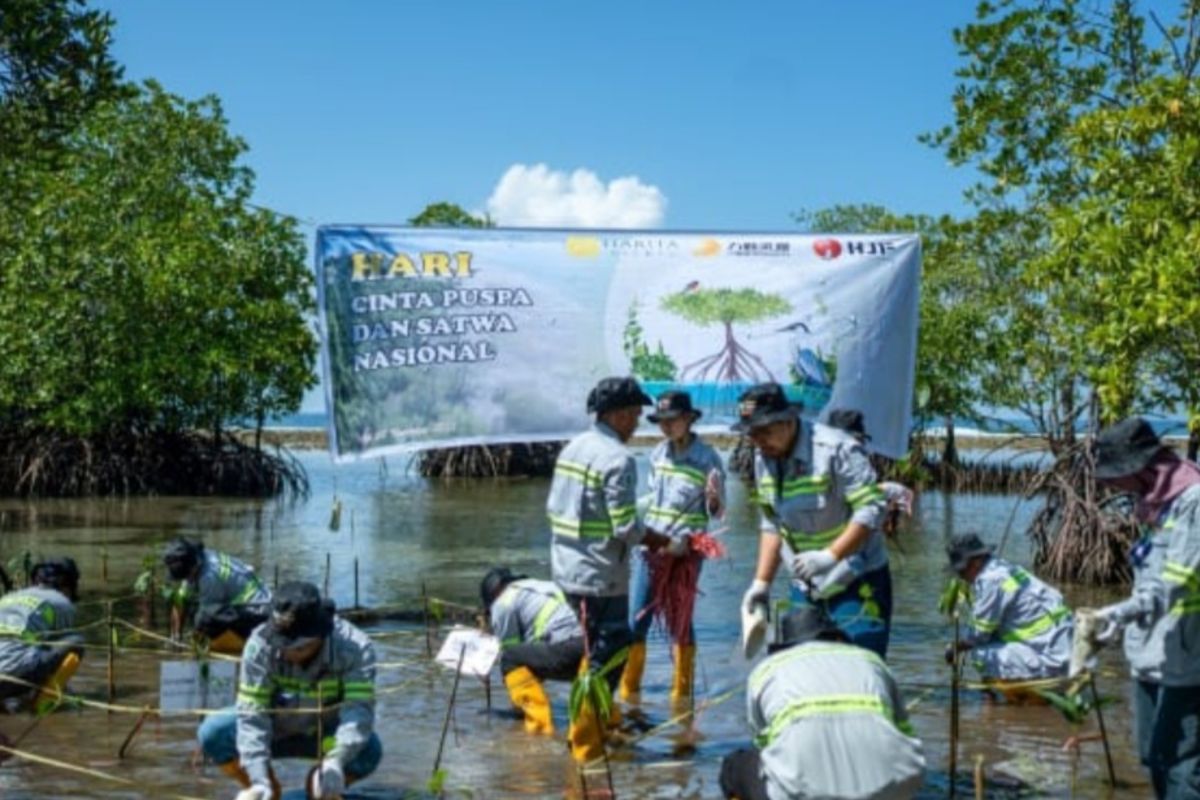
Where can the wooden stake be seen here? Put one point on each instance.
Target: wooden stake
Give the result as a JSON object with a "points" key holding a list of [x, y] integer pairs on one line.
{"points": [[437, 762], [356, 605], [954, 681], [104, 564], [137, 726], [276, 576], [112, 655], [1112, 773], [425, 616], [327, 563]]}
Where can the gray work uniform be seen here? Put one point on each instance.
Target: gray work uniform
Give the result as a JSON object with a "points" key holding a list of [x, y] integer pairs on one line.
{"points": [[342, 674], [677, 482], [224, 582], [811, 496], [592, 509], [537, 629], [1020, 626], [35, 636], [830, 723]]}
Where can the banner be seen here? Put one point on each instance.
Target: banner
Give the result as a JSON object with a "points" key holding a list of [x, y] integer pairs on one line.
{"points": [[438, 338]]}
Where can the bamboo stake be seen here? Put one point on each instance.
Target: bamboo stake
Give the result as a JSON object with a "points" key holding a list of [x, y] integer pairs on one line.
{"points": [[437, 762], [1112, 773], [276, 576], [327, 566], [356, 605], [425, 617], [954, 685], [112, 638]]}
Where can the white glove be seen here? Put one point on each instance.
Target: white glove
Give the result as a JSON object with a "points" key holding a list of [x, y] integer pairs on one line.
{"points": [[328, 780], [679, 546], [810, 565], [1112, 619], [255, 792], [759, 592]]}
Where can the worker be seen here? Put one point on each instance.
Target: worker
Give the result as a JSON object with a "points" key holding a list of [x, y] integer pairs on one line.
{"points": [[38, 647], [540, 640], [1020, 626], [222, 595], [303, 658], [828, 722], [1161, 617], [820, 505], [592, 510], [686, 481]]}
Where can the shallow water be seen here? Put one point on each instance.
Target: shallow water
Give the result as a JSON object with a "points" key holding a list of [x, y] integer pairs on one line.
{"points": [[406, 532]]}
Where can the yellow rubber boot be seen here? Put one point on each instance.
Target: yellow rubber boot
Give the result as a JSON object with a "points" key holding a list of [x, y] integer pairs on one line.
{"points": [[51, 692], [527, 694], [635, 665], [685, 672], [587, 743], [228, 643]]}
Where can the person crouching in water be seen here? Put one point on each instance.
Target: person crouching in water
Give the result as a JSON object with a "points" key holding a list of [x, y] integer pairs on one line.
{"points": [[303, 658], [37, 645], [540, 640], [828, 721], [220, 594], [684, 493], [1021, 629]]}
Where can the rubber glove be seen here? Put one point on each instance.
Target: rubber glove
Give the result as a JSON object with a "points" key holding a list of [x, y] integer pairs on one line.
{"points": [[679, 546], [329, 781], [255, 792], [810, 565], [1112, 619], [759, 592]]}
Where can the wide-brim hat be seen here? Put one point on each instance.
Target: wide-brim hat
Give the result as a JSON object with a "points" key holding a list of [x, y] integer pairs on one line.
{"points": [[613, 393], [763, 404], [299, 612], [963, 548], [1125, 448], [673, 404], [805, 624], [849, 420]]}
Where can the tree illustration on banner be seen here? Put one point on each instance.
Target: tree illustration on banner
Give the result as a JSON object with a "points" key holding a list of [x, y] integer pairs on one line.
{"points": [[733, 363]]}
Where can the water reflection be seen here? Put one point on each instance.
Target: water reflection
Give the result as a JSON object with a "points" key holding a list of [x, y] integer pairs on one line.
{"points": [[406, 532]]}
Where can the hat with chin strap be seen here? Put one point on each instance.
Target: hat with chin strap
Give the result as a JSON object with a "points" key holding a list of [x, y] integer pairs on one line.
{"points": [[613, 393], [299, 612]]}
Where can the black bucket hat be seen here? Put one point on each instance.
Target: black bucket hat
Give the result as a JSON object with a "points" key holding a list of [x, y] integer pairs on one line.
{"points": [[1125, 448], [614, 393], [299, 612], [964, 547], [851, 421], [181, 556], [493, 584], [58, 573], [806, 624], [673, 404], [763, 404]]}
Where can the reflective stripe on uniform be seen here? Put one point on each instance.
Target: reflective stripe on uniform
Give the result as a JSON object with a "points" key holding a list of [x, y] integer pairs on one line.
{"points": [[865, 496], [803, 542], [595, 529], [623, 515], [824, 706], [672, 515], [579, 472], [808, 484], [676, 471], [765, 669], [1174, 572], [249, 590], [542, 619], [1039, 626], [1015, 581]]}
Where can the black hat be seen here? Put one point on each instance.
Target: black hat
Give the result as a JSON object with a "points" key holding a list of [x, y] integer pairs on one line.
{"points": [[57, 573], [493, 584], [181, 556], [673, 404], [1125, 448], [964, 547], [299, 612], [763, 404], [850, 420], [614, 393], [805, 624]]}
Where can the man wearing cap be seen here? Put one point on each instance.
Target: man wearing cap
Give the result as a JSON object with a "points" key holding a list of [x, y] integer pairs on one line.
{"points": [[686, 487], [828, 722], [592, 509], [222, 595], [304, 658], [37, 645], [540, 639], [1020, 626], [1161, 618], [819, 501]]}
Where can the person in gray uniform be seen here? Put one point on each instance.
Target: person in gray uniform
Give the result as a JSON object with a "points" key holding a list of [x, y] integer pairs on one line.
{"points": [[828, 722], [820, 506], [592, 510], [37, 644], [220, 594], [1161, 617], [1020, 626], [540, 640]]}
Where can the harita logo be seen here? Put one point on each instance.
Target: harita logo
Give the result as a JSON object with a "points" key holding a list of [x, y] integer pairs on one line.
{"points": [[827, 249]]}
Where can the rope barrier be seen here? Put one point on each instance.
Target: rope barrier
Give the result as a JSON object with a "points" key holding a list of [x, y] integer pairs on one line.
{"points": [[25, 755]]}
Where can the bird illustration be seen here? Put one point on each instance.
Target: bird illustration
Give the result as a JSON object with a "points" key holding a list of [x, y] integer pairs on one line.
{"points": [[795, 326], [692, 286], [810, 365]]}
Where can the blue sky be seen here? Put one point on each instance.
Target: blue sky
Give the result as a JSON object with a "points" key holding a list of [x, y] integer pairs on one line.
{"points": [[729, 115]]}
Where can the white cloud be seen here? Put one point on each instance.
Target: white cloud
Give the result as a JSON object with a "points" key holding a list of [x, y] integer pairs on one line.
{"points": [[537, 196]]}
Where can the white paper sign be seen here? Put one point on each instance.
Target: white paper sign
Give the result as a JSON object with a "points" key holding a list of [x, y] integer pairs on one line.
{"points": [[481, 651], [187, 685]]}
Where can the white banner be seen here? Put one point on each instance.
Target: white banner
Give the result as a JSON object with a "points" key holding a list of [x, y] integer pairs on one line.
{"points": [[437, 337]]}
